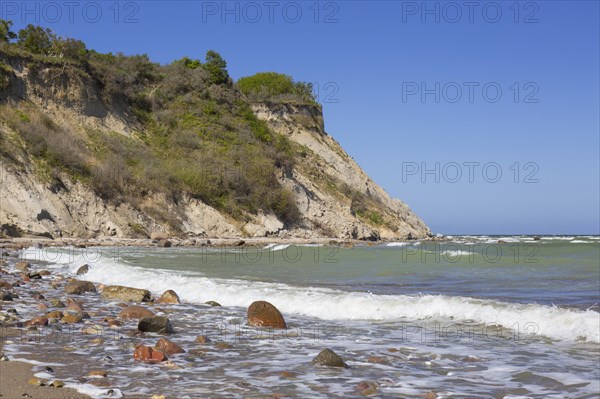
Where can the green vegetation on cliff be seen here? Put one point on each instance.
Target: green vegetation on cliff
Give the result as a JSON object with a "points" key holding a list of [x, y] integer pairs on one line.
{"points": [[193, 131]]}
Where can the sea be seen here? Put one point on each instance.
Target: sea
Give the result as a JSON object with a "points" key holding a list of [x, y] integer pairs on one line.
{"points": [[464, 317]]}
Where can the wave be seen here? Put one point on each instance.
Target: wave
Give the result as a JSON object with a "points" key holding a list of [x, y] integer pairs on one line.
{"points": [[332, 304]]}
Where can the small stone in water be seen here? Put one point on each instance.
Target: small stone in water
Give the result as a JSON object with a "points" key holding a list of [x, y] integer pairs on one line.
{"points": [[98, 373], [49, 369], [4, 358], [37, 382], [58, 384]]}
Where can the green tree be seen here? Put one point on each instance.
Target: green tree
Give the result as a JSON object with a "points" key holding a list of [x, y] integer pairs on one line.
{"points": [[36, 39], [69, 48], [6, 35], [217, 67]]}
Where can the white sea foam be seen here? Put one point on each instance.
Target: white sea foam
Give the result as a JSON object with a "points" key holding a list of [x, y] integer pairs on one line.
{"points": [[276, 247], [457, 253], [96, 392], [396, 244]]}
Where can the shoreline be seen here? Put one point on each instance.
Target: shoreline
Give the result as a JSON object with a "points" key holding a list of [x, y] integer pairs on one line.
{"points": [[16, 374]]}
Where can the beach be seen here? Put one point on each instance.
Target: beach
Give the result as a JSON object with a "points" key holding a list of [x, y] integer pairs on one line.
{"points": [[423, 319]]}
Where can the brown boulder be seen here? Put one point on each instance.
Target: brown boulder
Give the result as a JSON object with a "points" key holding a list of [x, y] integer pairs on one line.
{"points": [[37, 321], [135, 312], [147, 354], [125, 293], [71, 318], [212, 303], [74, 305], [56, 314], [79, 287], [5, 284], [263, 314], [169, 296], [169, 347]]}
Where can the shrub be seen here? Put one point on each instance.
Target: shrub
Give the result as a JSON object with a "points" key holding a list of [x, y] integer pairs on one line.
{"points": [[275, 87]]}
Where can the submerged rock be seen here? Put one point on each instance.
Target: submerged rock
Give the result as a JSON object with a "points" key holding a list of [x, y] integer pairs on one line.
{"points": [[125, 293], [329, 358], [135, 312], [264, 314], [148, 354], [203, 339], [169, 347], [212, 303], [56, 303], [169, 296], [156, 324], [5, 296], [368, 388], [79, 287]]}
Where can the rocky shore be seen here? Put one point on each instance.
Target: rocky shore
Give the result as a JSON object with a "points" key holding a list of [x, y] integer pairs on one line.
{"points": [[113, 341]]}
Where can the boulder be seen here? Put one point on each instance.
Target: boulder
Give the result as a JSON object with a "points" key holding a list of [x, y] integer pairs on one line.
{"points": [[37, 321], [165, 244], [71, 318], [156, 324], [74, 305], [212, 303], [125, 293], [169, 347], [22, 266], [83, 270], [329, 358], [5, 284], [135, 312], [263, 314], [79, 287], [169, 296], [55, 314], [148, 354], [34, 276]]}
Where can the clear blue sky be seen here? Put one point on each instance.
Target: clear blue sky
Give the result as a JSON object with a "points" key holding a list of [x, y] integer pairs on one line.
{"points": [[377, 54]]}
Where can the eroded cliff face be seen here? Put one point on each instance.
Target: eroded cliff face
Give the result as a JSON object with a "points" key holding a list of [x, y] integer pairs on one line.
{"points": [[335, 197], [328, 178]]}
